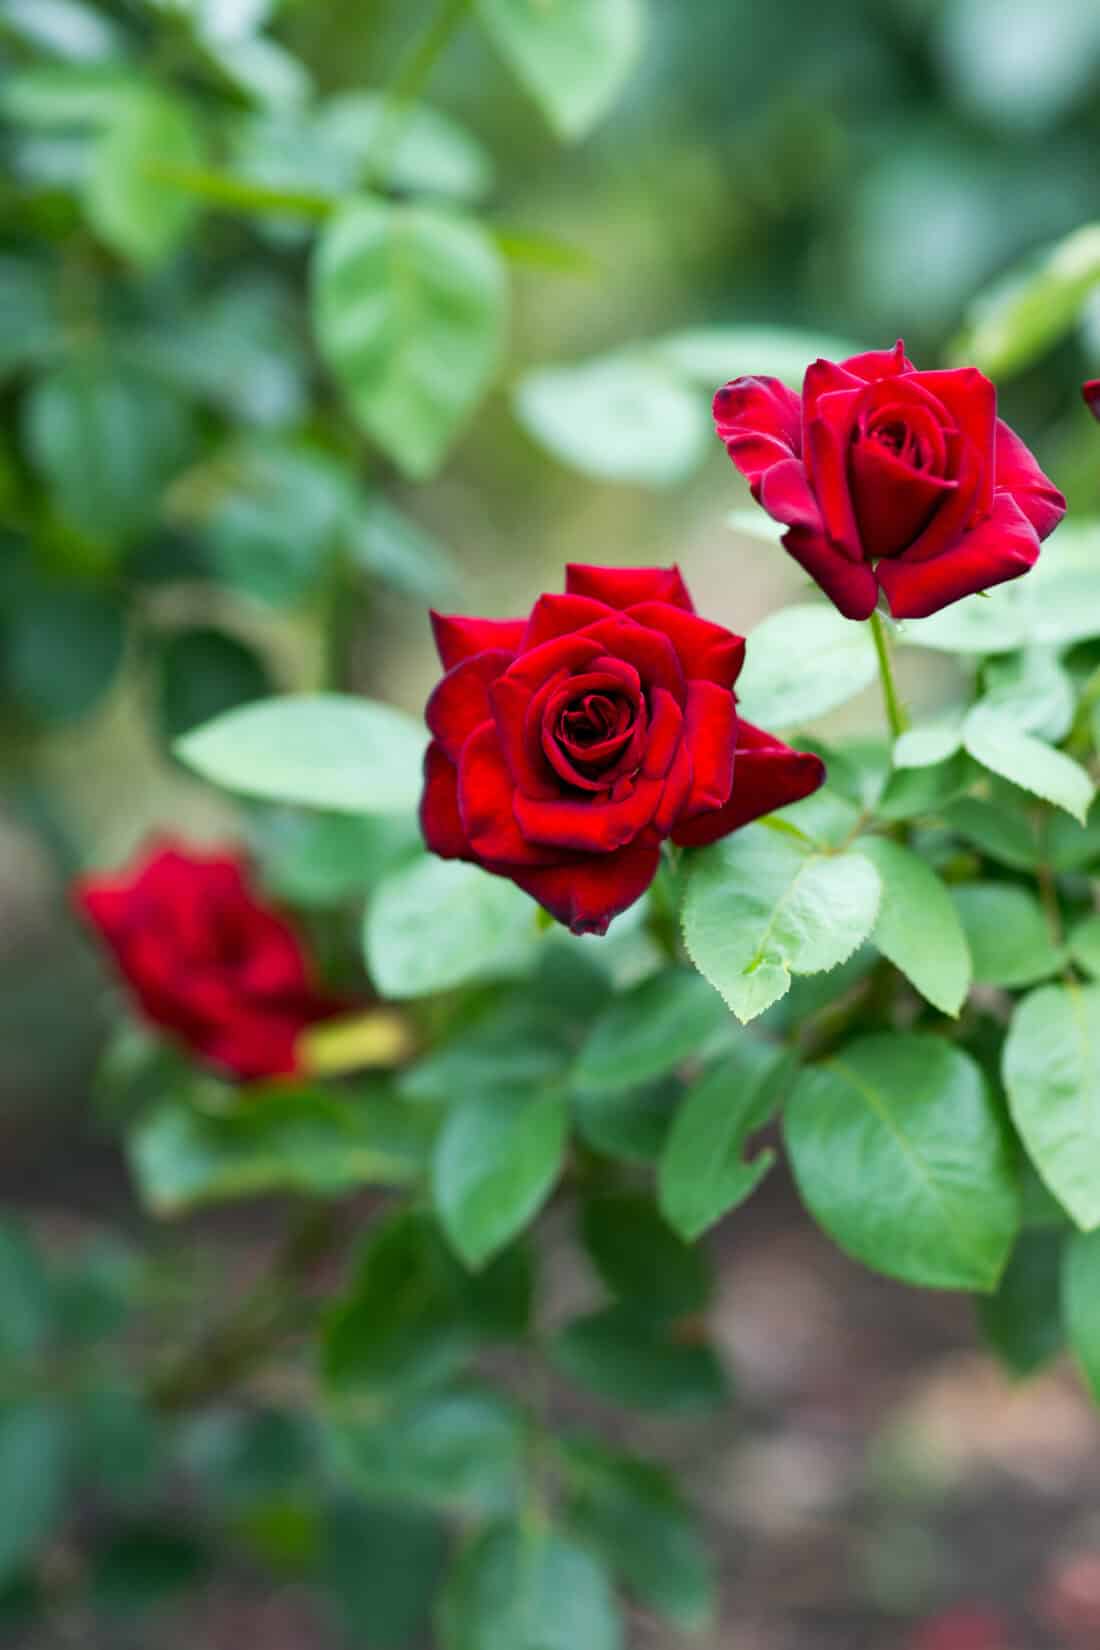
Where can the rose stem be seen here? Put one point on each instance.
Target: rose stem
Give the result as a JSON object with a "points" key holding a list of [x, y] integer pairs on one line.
{"points": [[895, 711]]}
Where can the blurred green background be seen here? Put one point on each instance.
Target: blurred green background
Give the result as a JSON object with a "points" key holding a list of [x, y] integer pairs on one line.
{"points": [[179, 472]]}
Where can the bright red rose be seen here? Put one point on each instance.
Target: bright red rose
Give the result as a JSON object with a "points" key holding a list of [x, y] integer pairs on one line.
{"points": [[893, 479], [1091, 392], [566, 746], [207, 959]]}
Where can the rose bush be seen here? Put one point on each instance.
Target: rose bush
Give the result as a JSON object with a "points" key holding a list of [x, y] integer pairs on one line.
{"points": [[890, 479], [207, 959], [567, 746]]}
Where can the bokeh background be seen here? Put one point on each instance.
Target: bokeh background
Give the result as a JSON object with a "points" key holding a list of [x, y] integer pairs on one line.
{"points": [[862, 169]]}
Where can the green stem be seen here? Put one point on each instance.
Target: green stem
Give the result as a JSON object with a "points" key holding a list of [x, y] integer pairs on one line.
{"points": [[409, 81], [895, 711]]}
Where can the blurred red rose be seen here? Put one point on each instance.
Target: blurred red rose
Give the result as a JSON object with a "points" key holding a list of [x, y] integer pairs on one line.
{"points": [[568, 745], [972, 1628], [893, 479], [1091, 392], [207, 959]]}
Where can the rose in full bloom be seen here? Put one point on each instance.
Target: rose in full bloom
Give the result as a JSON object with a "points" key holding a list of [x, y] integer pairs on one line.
{"points": [[206, 958], [891, 479], [568, 745], [1091, 392]]}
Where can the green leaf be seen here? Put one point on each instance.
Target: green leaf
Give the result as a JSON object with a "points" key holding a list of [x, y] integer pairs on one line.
{"points": [[1084, 945], [63, 649], [510, 1050], [641, 1259], [437, 924], [998, 832], [802, 662], [457, 1452], [320, 750], [999, 745], [618, 418], [133, 209], [899, 1152], [400, 1325], [649, 1030], [304, 1141], [272, 533], [34, 1456], [918, 928], [320, 860], [622, 1354], [409, 305], [29, 322], [632, 1514], [927, 746], [703, 1173], [912, 791], [519, 1588], [145, 1568], [1031, 308], [712, 355], [761, 907], [202, 673], [572, 56], [1081, 1305], [1022, 1322], [1069, 846], [431, 154], [993, 622], [380, 1565], [48, 96], [399, 552], [496, 1161], [106, 438], [1052, 1074], [1032, 691], [26, 1307], [631, 1124], [1007, 934]]}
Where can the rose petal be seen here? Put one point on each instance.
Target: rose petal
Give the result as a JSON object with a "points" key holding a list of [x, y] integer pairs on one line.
{"points": [[759, 419], [594, 825], [1001, 547], [486, 802], [561, 616], [892, 501], [828, 441], [707, 652], [767, 775], [851, 586], [440, 821], [460, 702], [1017, 472], [1090, 391], [710, 733], [621, 587], [587, 894], [971, 401], [873, 364], [649, 651], [458, 637]]}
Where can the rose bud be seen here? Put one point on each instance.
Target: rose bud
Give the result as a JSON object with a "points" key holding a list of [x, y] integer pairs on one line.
{"points": [[207, 959], [891, 479], [1090, 390], [568, 745]]}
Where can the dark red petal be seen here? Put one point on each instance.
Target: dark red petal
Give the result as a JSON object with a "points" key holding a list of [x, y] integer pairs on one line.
{"points": [[592, 825], [893, 502], [710, 734], [1001, 547], [707, 652], [458, 637], [460, 702], [255, 1046], [971, 401], [677, 790], [759, 419], [1017, 472], [828, 443], [1090, 391], [649, 651], [849, 585], [440, 821], [623, 586], [785, 493], [561, 616], [486, 796], [666, 730], [956, 512], [879, 363], [104, 902], [586, 894], [827, 378], [767, 775]]}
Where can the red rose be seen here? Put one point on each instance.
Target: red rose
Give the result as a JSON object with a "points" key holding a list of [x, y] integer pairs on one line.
{"points": [[1091, 392], [568, 745], [962, 1629], [207, 959], [888, 478]]}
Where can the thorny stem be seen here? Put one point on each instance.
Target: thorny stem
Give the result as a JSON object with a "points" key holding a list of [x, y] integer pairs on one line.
{"points": [[895, 711]]}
